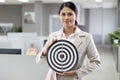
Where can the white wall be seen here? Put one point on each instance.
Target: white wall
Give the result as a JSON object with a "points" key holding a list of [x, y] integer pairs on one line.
{"points": [[102, 20], [11, 14], [101, 23], [48, 9]]}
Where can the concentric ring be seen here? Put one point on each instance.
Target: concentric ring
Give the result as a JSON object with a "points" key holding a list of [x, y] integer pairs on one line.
{"points": [[62, 56]]}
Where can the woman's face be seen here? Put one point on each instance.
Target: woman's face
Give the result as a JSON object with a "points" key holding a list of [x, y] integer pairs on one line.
{"points": [[67, 17]]}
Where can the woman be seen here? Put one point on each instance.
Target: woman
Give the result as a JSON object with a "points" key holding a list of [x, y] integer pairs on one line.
{"points": [[83, 41]]}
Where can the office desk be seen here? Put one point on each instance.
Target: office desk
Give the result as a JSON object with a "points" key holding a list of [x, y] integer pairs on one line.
{"points": [[10, 51]]}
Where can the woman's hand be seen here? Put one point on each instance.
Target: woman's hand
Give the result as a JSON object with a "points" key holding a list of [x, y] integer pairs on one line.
{"points": [[47, 45], [68, 73]]}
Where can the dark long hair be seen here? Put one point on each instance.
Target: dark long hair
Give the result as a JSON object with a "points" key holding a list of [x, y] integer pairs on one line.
{"points": [[70, 5]]}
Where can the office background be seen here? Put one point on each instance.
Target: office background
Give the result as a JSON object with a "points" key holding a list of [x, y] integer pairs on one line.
{"points": [[98, 21]]}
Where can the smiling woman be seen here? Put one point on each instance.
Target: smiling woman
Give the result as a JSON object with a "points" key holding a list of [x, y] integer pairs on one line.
{"points": [[83, 42]]}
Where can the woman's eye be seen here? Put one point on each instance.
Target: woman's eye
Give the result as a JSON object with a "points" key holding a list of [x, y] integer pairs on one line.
{"points": [[63, 14], [66, 14], [69, 14]]}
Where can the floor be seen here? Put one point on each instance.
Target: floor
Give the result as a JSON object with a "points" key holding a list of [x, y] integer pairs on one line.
{"points": [[108, 68]]}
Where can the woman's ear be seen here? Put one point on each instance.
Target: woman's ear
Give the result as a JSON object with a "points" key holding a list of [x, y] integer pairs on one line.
{"points": [[76, 16]]}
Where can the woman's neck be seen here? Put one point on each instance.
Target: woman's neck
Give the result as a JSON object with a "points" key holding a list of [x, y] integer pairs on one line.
{"points": [[69, 30]]}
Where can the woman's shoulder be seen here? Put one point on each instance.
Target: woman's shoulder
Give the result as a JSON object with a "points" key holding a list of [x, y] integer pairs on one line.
{"points": [[55, 34], [84, 33], [82, 30]]}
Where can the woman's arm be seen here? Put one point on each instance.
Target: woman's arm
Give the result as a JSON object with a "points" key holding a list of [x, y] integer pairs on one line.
{"points": [[68, 73], [41, 55], [93, 56]]}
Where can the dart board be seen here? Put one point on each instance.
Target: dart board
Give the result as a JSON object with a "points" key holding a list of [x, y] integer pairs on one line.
{"points": [[62, 56]]}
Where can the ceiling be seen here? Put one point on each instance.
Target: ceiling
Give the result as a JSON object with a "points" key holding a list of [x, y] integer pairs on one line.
{"points": [[83, 3]]}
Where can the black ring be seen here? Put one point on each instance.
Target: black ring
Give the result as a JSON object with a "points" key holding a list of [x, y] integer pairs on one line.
{"points": [[68, 50]]}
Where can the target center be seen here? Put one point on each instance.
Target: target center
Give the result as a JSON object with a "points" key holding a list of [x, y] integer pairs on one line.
{"points": [[62, 56]]}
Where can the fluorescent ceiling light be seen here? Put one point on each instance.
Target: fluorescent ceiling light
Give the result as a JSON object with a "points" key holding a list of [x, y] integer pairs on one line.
{"points": [[2, 0], [98, 1], [23, 0], [66, 0]]}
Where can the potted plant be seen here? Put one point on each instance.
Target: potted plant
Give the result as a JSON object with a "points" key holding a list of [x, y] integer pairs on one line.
{"points": [[17, 29], [115, 37]]}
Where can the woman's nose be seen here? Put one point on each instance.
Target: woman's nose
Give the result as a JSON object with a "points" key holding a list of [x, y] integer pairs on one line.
{"points": [[66, 16]]}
